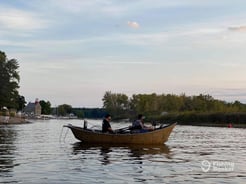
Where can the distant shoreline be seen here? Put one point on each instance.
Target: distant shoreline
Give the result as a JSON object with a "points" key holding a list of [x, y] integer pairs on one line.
{"points": [[7, 120], [221, 125]]}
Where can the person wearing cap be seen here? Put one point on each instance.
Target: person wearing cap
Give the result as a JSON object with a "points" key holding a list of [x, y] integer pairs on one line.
{"points": [[139, 125], [106, 127]]}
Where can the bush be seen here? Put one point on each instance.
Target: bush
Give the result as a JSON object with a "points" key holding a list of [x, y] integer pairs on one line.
{"points": [[12, 114], [4, 113], [193, 118]]}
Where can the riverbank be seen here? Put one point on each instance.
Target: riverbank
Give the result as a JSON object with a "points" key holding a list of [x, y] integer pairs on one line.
{"points": [[221, 125], [12, 120], [211, 119]]}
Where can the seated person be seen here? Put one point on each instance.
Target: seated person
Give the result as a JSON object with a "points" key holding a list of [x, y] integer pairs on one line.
{"points": [[139, 125], [106, 127]]}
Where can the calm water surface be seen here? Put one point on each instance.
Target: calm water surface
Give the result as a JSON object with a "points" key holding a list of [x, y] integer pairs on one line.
{"points": [[43, 152]]}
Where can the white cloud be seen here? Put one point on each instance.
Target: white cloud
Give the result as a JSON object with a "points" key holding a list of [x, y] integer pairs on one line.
{"points": [[116, 7], [73, 6], [134, 25], [14, 19], [92, 7], [229, 94]]}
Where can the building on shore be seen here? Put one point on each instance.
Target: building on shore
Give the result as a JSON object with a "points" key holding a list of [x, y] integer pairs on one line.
{"points": [[33, 109]]}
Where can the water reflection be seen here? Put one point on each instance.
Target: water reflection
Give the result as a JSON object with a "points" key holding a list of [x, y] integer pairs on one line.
{"points": [[104, 152], [118, 153], [7, 148]]}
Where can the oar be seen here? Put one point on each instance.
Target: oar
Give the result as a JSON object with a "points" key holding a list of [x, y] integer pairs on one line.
{"points": [[122, 129]]}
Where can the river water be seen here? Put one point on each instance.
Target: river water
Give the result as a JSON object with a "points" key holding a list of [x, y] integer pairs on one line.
{"points": [[44, 152]]}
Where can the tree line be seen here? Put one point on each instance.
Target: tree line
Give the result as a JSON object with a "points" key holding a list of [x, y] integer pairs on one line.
{"points": [[68, 110], [184, 108], [153, 104]]}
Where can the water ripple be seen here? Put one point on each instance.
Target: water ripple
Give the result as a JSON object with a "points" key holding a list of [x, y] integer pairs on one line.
{"points": [[32, 153]]}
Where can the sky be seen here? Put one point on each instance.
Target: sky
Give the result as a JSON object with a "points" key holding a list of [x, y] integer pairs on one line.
{"points": [[73, 51]]}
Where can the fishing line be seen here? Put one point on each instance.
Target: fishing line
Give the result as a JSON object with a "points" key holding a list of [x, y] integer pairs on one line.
{"points": [[60, 137]]}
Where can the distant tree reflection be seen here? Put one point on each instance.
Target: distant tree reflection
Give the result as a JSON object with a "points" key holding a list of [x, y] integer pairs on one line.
{"points": [[7, 148]]}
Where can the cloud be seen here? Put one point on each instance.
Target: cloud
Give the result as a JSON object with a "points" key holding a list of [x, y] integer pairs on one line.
{"points": [[237, 28], [14, 19], [134, 25], [230, 94], [93, 8]]}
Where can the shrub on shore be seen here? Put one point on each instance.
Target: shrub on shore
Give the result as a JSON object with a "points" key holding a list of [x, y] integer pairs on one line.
{"points": [[194, 118]]}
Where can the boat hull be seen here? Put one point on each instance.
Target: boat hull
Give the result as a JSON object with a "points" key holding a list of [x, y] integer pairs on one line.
{"points": [[158, 136]]}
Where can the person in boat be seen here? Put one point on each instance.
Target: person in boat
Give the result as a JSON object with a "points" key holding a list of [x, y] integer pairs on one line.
{"points": [[106, 127], [138, 125]]}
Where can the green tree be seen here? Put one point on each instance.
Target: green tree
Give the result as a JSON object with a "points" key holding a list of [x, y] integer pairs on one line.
{"points": [[120, 105], [64, 109], [21, 103], [79, 113], [142, 103], [46, 107], [116, 104], [9, 81]]}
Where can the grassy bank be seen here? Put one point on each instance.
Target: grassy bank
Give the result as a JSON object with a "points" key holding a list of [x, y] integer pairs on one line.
{"points": [[12, 120], [220, 119]]}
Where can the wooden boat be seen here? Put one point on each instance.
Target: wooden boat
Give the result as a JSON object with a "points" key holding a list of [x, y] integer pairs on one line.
{"points": [[157, 136]]}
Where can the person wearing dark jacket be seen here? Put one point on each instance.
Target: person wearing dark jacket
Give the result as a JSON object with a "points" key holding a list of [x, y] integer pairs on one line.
{"points": [[106, 127]]}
